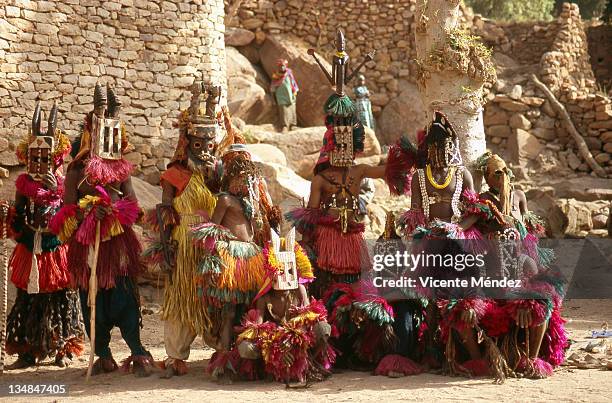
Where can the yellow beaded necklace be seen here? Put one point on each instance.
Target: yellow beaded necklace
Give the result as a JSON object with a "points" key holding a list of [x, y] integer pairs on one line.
{"points": [[449, 177]]}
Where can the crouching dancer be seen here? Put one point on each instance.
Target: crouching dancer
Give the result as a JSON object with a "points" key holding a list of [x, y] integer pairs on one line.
{"points": [[286, 331], [99, 210]]}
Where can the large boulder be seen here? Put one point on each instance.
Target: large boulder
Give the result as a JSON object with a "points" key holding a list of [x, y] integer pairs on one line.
{"points": [[267, 153], [523, 146], [283, 183], [148, 195], [247, 99], [402, 115], [543, 203], [314, 87], [238, 36], [301, 146]]}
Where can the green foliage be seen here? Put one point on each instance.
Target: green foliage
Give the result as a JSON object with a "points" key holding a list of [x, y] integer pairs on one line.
{"points": [[513, 10], [588, 8]]}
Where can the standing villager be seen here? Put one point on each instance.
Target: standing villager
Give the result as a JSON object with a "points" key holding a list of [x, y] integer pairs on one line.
{"points": [[363, 104], [45, 319], [285, 90], [189, 185], [99, 194], [537, 322]]}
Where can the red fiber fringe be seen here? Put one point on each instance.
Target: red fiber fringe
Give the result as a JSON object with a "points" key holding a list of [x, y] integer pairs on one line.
{"points": [[412, 219], [75, 347], [119, 256], [399, 169], [36, 192], [555, 340], [397, 363], [52, 268], [340, 253], [57, 222], [101, 171], [144, 360]]}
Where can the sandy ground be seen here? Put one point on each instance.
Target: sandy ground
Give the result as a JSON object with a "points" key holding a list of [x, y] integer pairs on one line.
{"points": [[566, 384]]}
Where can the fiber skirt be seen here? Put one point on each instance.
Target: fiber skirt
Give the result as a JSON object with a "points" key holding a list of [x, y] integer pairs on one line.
{"points": [[45, 325], [341, 253], [118, 257], [52, 273]]}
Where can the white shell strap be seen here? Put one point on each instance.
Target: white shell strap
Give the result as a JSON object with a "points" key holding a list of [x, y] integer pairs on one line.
{"points": [[457, 194], [424, 196]]}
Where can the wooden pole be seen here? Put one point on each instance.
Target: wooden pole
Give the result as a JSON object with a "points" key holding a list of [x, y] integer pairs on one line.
{"points": [[583, 149], [93, 291]]}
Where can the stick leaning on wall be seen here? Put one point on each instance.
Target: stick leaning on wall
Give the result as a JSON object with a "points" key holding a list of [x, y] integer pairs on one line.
{"points": [[583, 149]]}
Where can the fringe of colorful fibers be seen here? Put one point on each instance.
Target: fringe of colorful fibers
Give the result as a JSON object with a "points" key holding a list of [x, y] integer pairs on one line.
{"points": [[65, 222], [233, 271], [124, 213], [499, 322], [182, 301], [153, 255], [373, 336], [272, 267], [401, 160], [396, 364], [128, 364], [45, 324], [101, 171], [36, 192], [53, 268], [305, 220], [294, 338], [339, 106], [338, 252], [222, 362], [411, 220], [534, 223], [118, 256], [451, 311]]}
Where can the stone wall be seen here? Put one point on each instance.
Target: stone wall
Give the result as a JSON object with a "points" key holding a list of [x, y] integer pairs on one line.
{"points": [[150, 51], [600, 51], [519, 121], [386, 26]]}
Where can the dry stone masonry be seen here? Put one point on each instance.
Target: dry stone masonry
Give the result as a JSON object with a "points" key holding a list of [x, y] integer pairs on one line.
{"points": [[150, 51]]}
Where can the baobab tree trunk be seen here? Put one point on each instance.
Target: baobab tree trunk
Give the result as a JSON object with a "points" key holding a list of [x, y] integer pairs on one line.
{"points": [[453, 68]]}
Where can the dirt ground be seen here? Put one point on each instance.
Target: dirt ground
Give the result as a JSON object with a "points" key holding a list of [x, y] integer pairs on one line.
{"points": [[566, 384]]}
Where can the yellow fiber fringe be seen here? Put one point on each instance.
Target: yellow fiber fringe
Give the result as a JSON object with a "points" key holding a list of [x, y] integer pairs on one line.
{"points": [[181, 300], [70, 225], [239, 273], [301, 260]]}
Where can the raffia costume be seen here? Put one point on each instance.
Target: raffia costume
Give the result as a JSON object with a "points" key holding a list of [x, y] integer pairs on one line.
{"points": [[296, 332], [45, 320], [542, 291], [194, 201], [99, 157]]}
